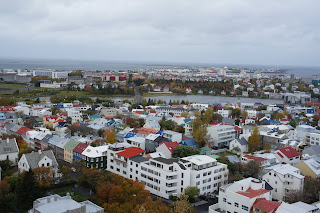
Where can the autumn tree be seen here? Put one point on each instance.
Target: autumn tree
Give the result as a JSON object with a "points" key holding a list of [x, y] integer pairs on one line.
{"points": [[251, 169], [184, 151], [183, 205], [44, 176], [279, 115], [65, 171], [254, 140], [185, 114], [266, 148], [55, 110], [217, 117], [110, 135], [209, 114]]}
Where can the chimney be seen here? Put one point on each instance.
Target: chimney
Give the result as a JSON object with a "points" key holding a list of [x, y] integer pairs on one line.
{"points": [[39, 151], [48, 200], [8, 140]]}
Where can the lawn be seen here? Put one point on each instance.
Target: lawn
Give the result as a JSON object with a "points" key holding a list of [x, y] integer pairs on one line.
{"points": [[76, 195], [6, 85], [226, 153]]}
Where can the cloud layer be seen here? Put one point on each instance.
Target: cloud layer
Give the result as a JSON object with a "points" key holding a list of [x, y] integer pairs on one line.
{"points": [[213, 31]]}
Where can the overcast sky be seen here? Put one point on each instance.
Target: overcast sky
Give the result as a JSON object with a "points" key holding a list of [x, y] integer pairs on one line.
{"points": [[270, 32]]}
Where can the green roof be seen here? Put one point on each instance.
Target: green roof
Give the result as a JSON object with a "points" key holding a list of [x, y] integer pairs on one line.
{"points": [[202, 153], [205, 148], [71, 144], [94, 116]]}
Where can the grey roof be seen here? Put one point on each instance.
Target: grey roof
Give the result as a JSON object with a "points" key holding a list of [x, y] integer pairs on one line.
{"points": [[8, 146], [233, 159], [33, 158], [62, 143], [139, 159], [312, 150], [10, 115], [47, 138], [242, 141], [15, 128], [54, 140], [169, 161], [228, 120], [9, 126]]}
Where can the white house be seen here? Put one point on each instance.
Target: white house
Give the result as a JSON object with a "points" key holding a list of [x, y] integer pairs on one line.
{"points": [[242, 144], [224, 113], [284, 179], [9, 150], [288, 155], [298, 207], [39, 159], [166, 148], [241, 196], [75, 116]]}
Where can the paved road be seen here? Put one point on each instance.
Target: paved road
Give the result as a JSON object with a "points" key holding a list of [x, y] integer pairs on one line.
{"points": [[138, 95]]}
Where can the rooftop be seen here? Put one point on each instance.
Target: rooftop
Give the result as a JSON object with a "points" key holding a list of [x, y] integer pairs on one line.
{"points": [[250, 193]]}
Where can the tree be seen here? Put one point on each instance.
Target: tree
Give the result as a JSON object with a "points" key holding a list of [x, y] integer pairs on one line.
{"points": [[200, 135], [266, 148], [110, 135], [245, 114], [185, 114], [183, 205], [192, 191], [209, 114], [168, 124], [44, 176], [27, 190], [65, 171], [217, 117], [254, 140], [252, 169], [279, 115], [184, 151], [55, 110]]}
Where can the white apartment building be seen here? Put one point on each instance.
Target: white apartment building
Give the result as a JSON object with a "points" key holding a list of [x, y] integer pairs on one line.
{"points": [[199, 106], [50, 73], [75, 116], [166, 177], [312, 138], [240, 196], [284, 179], [137, 142], [252, 113], [221, 135]]}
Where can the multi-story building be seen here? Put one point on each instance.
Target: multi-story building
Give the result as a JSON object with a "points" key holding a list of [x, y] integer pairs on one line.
{"points": [[312, 138], [166, 110], [284, 179], [78, 150], [241, 196], [166, 177], [96, 157], [68, 150], [75, 116], [221, 135]]}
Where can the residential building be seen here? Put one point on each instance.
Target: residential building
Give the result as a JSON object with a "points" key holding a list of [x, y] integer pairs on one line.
{"points": [[9, 150], [298, 207], [311, 150], [241, 196], [77, 151], [284, 179], [310, 167], [242, 145], [57, 204], [68, 150], [39, 159], [60, 148], [167, 148], [75, 116], [288, 155], [96, 157], [172, 136], [221, 135]]}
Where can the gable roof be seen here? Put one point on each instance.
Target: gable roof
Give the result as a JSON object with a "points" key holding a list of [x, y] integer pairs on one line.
{"points": [[266, 205], [80, 148], [289, 152], [250, 193], [8, 146], [23, 130], [33, 158], [71, 144], [242, 141], [170, 146], [130, 152]]}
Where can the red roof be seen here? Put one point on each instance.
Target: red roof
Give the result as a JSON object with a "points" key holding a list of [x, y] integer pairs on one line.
{"points": [[147, 131], [289, 152], [250, 193], [23, 130], [280, 154], [237, 128], [170, 146], [80, 148], [130, 152], [266, 205], [260, 159]]}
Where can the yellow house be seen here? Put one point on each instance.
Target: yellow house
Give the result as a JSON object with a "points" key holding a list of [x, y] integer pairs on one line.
{"points": [[68, 150], [310, 167]]}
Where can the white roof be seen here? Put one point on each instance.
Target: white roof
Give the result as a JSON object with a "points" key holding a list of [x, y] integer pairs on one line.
{"points": [[93, 152], [289, 208], [137, 139], [152, 137], [314, 165], [305, 206], [157, 154], [284, 169], [199, 159]]}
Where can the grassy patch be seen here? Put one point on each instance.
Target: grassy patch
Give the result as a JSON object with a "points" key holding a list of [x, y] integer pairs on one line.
{"points": [[6, 85]]}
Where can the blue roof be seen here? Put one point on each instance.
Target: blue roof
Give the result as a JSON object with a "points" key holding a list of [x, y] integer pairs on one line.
{"points": [[187, 120], [129, 135], [58, 105], [272, 121], [2, 116], [159, 132], [190, 142]]}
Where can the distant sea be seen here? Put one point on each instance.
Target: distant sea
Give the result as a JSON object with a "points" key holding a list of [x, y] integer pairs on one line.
{"points": [[305, 72]]}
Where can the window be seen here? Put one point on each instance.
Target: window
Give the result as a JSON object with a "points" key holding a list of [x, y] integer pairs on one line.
{"points": [[198, 183], [48, 164], [43, 164], [275, 190], [118, 170], [224, 199], [236, 204], [198, 175], [245, 208], [276, 182]]}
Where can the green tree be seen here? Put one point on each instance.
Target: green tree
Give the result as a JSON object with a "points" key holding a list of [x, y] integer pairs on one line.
{"points": [[185, 114], [168, 124], [279, 115], [251, 169], [200, 134], [184, 151], [27, 190], [254, 140], [217, 117], [209, 114], [192, 191], [110, 135]]}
